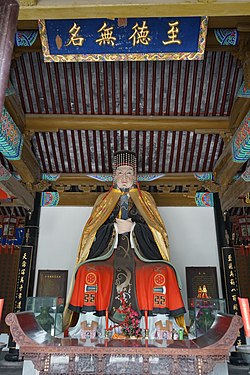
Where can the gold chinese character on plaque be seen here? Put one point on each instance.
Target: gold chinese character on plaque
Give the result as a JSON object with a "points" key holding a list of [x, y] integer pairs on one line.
{"points": [[172, 34], [141, 34], [106, 35], [75, 39], [235, 307]]}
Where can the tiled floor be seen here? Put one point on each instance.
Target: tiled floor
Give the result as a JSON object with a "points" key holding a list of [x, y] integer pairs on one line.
{"points": [[15, 368]]}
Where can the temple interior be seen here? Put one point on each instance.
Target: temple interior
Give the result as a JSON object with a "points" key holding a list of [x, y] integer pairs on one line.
{"points": [[124, 187]]}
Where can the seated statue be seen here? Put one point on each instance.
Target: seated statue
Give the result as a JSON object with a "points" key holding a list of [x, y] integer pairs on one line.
{"points": [[124, 249]]}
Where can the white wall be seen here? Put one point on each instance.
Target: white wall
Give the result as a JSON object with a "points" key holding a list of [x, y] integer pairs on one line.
{"points": [[192, 238], [191, 233], [59, 234]]}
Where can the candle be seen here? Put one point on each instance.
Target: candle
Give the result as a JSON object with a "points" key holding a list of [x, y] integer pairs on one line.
{"points": [[244, 308], [1, 307], [107, 319], [146, 319]]}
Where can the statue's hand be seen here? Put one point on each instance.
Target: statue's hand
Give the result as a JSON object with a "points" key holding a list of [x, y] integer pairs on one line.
{"points": [[124, 226]]}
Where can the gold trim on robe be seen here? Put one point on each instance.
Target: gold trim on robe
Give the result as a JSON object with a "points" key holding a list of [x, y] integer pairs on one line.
{"points": [[102, 209]]}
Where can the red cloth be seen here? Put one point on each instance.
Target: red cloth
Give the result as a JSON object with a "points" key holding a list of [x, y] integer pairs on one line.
{"points": [[156, 287], [151, 277], [97, 275]]}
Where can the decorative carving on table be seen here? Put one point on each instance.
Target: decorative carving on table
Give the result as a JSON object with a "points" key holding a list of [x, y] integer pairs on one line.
{"points": [[72, 356], [16, 330]]}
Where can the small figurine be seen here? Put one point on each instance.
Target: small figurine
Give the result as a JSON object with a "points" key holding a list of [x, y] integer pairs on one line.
{"points": [[199, 292], [204, 292], [88, 330], [164, 332]]}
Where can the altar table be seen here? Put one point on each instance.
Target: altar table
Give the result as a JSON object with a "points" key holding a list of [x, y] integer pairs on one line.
{"points": [[51, 355]]}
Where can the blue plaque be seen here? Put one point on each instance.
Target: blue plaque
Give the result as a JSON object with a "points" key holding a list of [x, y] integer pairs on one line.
{"points": [[173, 38]]}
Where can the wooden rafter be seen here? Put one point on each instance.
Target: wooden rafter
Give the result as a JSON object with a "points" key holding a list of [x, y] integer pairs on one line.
{"points": [[52, 123]]}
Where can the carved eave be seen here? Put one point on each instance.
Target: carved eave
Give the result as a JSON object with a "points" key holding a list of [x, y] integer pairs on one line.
{"points": [[232, 196], [22, 197], [27, 167]]}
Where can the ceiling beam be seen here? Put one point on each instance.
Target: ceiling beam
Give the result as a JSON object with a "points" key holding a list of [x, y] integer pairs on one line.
{"points": [[229, 22], [52, 123], [47, 9], [161, 199], [232, 196]]}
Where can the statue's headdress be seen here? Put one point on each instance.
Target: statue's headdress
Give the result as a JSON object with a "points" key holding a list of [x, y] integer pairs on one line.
{"points": [[124, 157]]}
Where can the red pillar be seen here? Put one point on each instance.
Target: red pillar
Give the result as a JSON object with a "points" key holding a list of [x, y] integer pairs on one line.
{"points": [[8, 22]]}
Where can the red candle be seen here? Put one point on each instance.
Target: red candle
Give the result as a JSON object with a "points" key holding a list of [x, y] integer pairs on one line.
{"points": [[146, 319], [107, 318], [1, 307], [245, 313]]}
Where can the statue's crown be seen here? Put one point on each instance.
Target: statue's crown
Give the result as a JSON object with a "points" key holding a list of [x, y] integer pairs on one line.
{"points": [[124, 157]]}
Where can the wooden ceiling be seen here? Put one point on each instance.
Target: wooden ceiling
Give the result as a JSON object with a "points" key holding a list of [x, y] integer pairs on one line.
{"points": [[179, 117]]}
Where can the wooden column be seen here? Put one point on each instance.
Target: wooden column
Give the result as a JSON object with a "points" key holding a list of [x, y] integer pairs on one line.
{"points": [[27, 267], [31, 238], [8, 21], [220, 228]]}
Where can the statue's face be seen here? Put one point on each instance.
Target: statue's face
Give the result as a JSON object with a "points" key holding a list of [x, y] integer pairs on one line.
{"points": [[124, 177]]}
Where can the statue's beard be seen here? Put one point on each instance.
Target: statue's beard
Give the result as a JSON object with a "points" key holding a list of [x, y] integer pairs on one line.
{"points": [[124, 190]]}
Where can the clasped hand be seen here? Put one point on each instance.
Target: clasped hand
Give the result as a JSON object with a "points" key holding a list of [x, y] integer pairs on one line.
{"points": [[124, 226]]}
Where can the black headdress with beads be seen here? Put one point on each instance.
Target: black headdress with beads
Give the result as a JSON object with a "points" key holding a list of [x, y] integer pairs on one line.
{"points": [[125, 157]]}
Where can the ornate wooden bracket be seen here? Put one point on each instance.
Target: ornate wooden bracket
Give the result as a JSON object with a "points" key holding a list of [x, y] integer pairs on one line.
{"points": [[243, 53]]}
